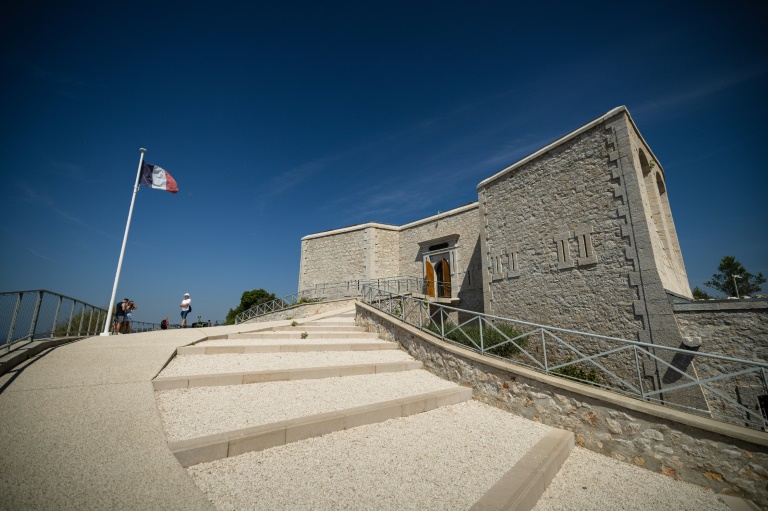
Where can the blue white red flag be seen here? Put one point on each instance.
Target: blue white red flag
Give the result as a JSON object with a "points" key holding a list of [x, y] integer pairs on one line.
{"points": [[158, 178]]}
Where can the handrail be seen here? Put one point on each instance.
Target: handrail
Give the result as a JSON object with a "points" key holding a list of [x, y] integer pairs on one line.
{"points": [[331, 291], [610, 363], [36, 314]]}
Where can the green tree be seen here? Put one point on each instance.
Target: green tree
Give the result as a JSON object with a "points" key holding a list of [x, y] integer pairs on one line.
{"points": [[698, 294], [723, 281], [248, 300]]}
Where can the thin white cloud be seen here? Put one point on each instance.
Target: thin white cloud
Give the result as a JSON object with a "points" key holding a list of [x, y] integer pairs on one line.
{"points": [[44, 257], [41, 200], [704, 90]]}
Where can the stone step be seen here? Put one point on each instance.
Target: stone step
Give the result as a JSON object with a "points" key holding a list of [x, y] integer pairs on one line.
{"points": [[521, 487], [233, 443], [284, 347], [319, 328], [305, 373], [321, 323], [450, 457], [298, 335]]}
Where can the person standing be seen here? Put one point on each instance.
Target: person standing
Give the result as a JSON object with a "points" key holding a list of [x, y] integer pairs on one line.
{"points": [[120, 315], [129, 308], [186, 308]]}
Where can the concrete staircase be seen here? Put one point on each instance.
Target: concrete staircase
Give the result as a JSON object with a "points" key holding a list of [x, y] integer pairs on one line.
{"points": [[327, 390]]}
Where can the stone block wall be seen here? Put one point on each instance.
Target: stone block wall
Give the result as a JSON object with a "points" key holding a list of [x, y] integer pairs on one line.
{"points": [[337, 256], [383, 249], [371, 251], [568, 240], [731, 328], [461, 224], [535, 219], [728, 459]]}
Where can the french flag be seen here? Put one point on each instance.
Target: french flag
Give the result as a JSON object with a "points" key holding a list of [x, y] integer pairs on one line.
{"points": [[158, 178]]}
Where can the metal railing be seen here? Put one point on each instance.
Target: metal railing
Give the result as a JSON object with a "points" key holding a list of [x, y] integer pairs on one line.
{"points": [[40, 314], [333, 291], [734, 390]]}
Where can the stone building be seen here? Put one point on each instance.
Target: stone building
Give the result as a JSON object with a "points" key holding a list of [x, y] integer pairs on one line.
{"points": [[578, 235]]}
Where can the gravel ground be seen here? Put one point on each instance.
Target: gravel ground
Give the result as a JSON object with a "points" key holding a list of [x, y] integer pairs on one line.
{"points": [[308, 340], [589, 481], [232, 363], [444, 459], [195, 412]]}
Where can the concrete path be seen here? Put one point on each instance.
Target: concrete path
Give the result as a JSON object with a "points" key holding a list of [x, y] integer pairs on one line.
{"points": [[80, 427], [332, 422]]}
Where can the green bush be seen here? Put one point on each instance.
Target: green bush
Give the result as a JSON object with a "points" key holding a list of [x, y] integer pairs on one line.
{"points": [[578, 372], [304, 299], [491, 336]]}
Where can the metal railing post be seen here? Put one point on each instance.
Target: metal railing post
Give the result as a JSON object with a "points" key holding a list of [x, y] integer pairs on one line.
{"points": [[13, 321], [544, 349], [35, 316], [442, 324], [421, 321], [90, 319], [482, 342], [639, 375], [82, 317], [71, 317], [56, 316]]}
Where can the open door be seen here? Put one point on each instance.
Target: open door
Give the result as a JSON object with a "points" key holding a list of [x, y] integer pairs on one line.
{"points": [[446, 279], [429, 271]]}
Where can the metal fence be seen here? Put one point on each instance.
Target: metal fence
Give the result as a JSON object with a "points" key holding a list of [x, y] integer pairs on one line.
{"points": [[39, 314], [333, 291], [733, 390]]}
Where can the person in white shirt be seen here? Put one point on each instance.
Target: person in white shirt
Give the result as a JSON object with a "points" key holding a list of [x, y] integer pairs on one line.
{"points": [[185, 309]]}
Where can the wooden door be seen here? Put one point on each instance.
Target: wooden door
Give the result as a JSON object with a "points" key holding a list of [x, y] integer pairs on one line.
{"points": [[429, 271], [446, 278]]}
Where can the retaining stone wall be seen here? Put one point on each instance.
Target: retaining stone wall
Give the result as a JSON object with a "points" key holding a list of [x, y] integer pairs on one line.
{"points": [[699, 456], [737, 329]]}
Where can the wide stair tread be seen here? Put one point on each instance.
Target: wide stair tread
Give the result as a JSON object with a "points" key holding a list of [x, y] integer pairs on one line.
{"points": [[446, 458], [322, 412]]}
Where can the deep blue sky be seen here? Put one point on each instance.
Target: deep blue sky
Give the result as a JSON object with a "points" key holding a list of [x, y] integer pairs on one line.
{"points": [[280, 121]]}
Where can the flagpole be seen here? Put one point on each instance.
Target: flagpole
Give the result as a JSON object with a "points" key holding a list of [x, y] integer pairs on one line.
{"points": [[122, 250]]}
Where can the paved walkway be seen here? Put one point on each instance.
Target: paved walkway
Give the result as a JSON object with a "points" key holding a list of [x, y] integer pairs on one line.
{"points": [[81, 430]]}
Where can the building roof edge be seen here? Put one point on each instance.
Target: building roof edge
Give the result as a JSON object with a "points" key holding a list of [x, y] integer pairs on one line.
{"points": [[556, 143]]}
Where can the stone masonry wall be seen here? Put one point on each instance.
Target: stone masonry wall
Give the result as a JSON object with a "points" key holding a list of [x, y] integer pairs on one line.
{"points": [[734, 328], [466, 281], [385, 248], [625, 429], [333, 258], [547, 202], [566, 242]]}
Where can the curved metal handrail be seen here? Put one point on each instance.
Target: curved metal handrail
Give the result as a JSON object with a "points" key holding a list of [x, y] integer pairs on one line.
{"points": [[535, 346]]}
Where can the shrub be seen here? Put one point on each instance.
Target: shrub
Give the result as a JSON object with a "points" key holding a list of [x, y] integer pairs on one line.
{"points": [[578, 372], [304, 335], [491, 336]]}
